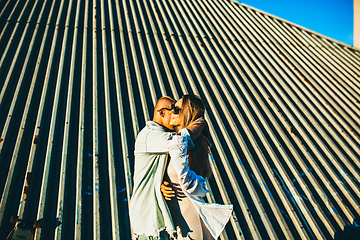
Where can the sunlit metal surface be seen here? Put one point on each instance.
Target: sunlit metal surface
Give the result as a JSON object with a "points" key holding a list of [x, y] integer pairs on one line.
{"points": [[79, 79]]}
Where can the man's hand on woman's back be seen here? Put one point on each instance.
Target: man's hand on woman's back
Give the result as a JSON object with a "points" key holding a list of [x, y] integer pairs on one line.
{"points": [[167, 191]]}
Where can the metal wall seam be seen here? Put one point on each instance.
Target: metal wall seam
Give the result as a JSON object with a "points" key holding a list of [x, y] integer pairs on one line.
{"points": [[351, 54], [13, 32], [39, 117], [153, 54], [120, 105], [187, 61], [341, 66], [145, 62], [67, 123], [95, 124], [166, 67], [324, 93], [81, 129], [153, 57], [4, 8], [173, 40], [115, 229], [249, 226], [308, 94], [277, 30], [136, 62], [9, 43], [64, 157], [263, 51], [126, 27]]}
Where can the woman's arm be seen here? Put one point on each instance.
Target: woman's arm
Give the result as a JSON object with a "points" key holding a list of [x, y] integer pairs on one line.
{"points": [[191, 182]]}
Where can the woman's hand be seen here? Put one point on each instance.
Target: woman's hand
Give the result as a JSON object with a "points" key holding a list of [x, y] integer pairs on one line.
{"points": [[167, 192]]}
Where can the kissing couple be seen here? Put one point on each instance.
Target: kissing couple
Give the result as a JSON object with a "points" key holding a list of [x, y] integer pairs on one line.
{"points": [[170, 173]]}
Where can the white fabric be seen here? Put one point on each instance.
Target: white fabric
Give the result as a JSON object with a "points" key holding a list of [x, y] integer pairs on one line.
{"points": [[215, 216]]}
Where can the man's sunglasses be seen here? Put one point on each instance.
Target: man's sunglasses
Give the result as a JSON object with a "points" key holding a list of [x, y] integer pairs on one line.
{"points": [[175, 109]]}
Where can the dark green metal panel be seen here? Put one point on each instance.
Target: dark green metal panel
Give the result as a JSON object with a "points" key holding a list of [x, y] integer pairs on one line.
{"points": [[79, 79]]}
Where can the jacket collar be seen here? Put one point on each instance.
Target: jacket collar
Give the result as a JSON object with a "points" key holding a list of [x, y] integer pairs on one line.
{"points": [[154, 125]]}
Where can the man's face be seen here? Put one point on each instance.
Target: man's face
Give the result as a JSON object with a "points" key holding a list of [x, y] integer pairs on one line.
{"points": [[166, 115], [176, 114]]}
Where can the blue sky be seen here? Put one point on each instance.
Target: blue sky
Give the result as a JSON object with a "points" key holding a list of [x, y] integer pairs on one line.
{"points": [[332, 18]]}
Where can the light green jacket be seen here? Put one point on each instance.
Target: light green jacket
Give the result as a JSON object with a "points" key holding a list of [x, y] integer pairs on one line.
{"points": [[149, 214]]}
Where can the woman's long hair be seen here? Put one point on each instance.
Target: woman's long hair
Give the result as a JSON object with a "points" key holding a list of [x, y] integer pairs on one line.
{"points": [[193, 108]]}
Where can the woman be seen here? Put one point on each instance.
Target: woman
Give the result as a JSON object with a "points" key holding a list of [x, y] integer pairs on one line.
{"points": [[188, 207]]}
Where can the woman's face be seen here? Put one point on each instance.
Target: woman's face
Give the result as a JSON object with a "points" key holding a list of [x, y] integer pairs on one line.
{"points": [[175, 119]]}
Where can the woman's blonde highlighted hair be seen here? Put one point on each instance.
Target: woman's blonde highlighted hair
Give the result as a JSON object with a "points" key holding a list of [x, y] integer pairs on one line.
{"points": [[193, 108]]}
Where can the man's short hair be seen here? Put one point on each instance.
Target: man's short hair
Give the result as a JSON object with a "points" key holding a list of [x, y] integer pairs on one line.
{"points": [[168, 98], [160, 99]]}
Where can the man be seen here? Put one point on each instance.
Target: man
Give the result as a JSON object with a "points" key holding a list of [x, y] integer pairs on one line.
{"points": [[149, 214]]}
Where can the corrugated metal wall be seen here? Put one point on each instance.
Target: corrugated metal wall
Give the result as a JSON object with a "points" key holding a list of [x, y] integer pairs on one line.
{"points": [[79, 79]]}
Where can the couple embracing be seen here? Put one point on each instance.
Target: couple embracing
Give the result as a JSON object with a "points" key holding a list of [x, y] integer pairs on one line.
{"points": [[171, 168]]}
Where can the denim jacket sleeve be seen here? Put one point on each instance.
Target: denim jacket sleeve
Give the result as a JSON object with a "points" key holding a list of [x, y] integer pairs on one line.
{"points": [[191, 182]]}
